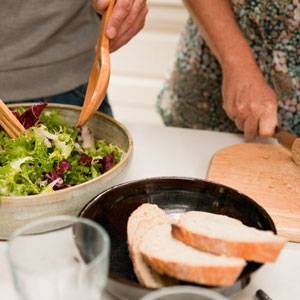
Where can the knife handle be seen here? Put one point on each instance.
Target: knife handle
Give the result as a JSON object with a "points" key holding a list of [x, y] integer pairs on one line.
{"points": [[296, 151], [285, 138]]}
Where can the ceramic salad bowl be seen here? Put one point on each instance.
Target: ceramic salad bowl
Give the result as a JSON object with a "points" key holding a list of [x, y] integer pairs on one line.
{"points": [[16, 211]]}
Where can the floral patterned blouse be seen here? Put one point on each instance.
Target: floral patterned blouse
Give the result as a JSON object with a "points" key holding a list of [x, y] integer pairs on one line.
{"points": [[192, 97]]}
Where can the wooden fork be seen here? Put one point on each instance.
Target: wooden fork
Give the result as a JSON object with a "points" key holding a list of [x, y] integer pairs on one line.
{"points": [[9, 122], [100, 73]]}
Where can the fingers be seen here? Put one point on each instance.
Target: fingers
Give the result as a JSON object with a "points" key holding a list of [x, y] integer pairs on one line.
{"points": [[248, 113], [120, 12], [100, 5], [262, 124], [125, 36], [267, 123], [228, 101], [239, 123], [127, 19], [249, 101], [251, 128], [253, 107], [138, 11], [253, 119], [256, 123]]}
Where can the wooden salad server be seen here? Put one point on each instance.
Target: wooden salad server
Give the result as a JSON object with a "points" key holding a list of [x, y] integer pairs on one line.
{"points": [[9, 122], [100, 72]]}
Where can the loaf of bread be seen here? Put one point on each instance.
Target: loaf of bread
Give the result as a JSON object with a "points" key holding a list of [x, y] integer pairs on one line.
{"points": [[169, 256], [223, 235]]}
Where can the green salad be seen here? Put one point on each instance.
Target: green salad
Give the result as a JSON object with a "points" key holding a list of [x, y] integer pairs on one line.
{"points": [[51, 155]]}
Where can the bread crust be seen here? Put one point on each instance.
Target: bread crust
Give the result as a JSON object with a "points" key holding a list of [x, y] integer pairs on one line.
{"points": [[252, 251], [208, 275]]}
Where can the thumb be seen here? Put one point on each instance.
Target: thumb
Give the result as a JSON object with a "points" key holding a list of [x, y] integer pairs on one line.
{"points": [[267, 124]]}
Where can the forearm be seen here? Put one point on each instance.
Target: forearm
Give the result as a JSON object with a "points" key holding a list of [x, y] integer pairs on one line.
{"points": [[218, 27]]}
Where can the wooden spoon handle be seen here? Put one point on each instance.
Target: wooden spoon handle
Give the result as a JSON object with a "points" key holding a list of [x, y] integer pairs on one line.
{"points": [[103, 41], [100, 73]]}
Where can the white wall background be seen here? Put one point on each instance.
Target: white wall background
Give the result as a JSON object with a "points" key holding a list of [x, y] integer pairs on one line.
{"points": [[139, 68]]}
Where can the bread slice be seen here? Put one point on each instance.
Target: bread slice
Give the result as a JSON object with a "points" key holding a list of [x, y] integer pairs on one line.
{"points": [[220, 234], [145, 211], [139, 222], [167, 255]]}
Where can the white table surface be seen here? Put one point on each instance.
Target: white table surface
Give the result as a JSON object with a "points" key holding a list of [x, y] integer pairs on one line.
{"points": [[161, 151]]}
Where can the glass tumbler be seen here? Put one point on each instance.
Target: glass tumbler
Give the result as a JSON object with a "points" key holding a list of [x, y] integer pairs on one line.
{"points": [[59, 258], [183, 293]]}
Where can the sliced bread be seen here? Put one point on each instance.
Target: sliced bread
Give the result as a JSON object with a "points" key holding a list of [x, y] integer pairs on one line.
{"points": [[223, 235], [145, 211], [169, 256], [139, 222]]}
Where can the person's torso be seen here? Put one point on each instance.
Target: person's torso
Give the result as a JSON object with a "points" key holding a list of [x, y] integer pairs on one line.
{"points": [[40, 32], [272, 29]]}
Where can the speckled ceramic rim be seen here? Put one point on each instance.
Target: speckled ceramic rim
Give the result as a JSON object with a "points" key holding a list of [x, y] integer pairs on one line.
{"points": [[185, 291], [103, 254], [125, 159]]}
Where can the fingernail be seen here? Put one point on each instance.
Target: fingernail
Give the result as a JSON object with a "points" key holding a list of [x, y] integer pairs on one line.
{"points": [[111, 32]]}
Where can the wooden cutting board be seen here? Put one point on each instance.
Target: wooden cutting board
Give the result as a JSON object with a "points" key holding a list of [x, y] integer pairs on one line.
{"points": [[267, 174]]}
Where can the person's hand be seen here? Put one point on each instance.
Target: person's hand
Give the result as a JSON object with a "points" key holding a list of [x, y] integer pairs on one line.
{"points": [[249, 101], [127, 19]]}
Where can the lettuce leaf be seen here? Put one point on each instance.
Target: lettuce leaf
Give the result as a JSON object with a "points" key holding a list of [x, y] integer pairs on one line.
{"points": [[51, 155]]}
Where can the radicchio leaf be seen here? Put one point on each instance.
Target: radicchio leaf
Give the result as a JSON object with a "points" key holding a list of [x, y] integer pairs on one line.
{"points": [[56, 175], [17, 114], [63, 166], [107, 162], [57, 182], [51, 176], [85, 159], [31, 116]]}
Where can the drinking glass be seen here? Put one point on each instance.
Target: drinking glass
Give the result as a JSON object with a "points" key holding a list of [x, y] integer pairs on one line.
{"points": [[59, 258], [183, 293]]}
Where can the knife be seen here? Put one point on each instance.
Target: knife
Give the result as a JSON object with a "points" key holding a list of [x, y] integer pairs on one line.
{"points": [[290, 142], [284, 138]]}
